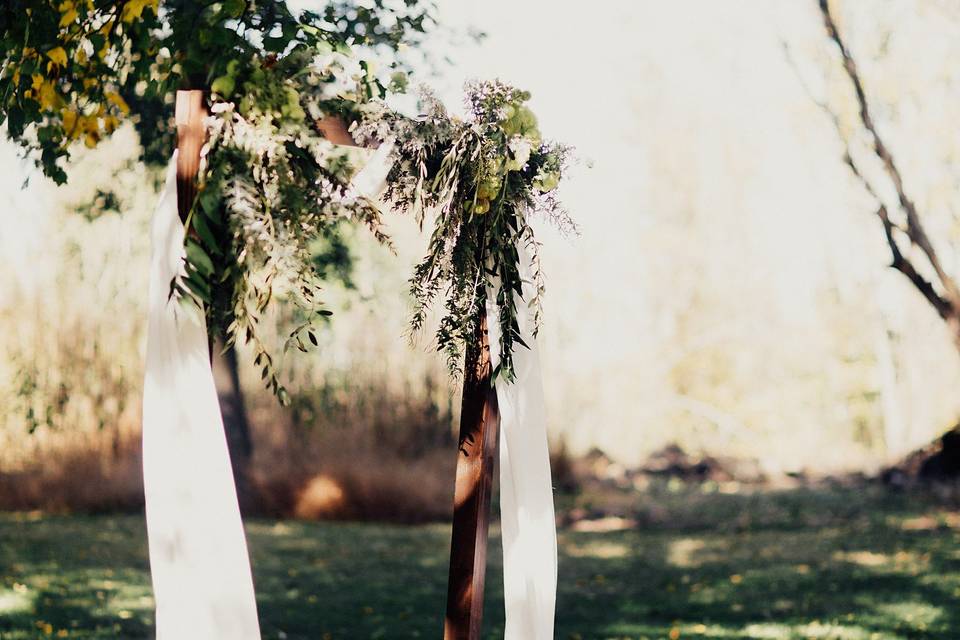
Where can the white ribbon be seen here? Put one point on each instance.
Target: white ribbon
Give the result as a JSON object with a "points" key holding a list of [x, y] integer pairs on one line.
{"points": [[371, 180], [527, 521], [198, 554]]}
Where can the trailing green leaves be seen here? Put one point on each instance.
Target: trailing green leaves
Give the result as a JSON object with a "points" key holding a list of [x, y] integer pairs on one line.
{"points": [[270, 189]]}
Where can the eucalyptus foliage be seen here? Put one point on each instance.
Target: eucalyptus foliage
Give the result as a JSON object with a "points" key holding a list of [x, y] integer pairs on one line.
{"points": [[481, 179], [270, 185]]}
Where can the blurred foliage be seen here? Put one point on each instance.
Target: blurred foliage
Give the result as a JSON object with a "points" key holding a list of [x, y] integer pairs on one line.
{"points": [[64, 366], [73, 70]]}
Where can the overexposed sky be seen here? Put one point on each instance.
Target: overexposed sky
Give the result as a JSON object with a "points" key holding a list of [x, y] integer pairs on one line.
{"points": [[688, 108]]}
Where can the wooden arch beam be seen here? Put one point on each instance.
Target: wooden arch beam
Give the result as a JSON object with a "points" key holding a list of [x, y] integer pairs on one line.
{"points": [[189, 115]]}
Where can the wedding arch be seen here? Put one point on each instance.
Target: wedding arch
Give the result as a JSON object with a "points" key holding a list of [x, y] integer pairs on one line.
{"points": [[268, 156]]}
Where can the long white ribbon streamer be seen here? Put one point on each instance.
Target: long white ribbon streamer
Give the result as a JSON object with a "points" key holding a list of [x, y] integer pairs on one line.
{"points": [[527, 520], [202, 582]]}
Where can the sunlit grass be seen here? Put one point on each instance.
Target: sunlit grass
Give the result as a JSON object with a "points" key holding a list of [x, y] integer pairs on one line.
{"points": [[834, 565], [18, 599]]}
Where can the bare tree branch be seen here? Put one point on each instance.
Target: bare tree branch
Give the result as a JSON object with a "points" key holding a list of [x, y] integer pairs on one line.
{"points": [[914, 227], [904, 266], [899, 262]]}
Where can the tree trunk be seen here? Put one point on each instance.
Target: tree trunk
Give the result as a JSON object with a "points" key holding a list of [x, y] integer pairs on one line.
{"points": [[226, 375]]}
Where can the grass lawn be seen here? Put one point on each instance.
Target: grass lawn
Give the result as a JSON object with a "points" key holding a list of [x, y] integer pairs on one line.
{"points": [[838, 563]]}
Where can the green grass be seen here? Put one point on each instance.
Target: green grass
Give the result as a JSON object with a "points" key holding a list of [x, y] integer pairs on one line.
{"points": [[850, 564]]}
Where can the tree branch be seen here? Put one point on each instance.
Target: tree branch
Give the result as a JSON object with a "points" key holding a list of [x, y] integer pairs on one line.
{"points": [[914, 228], [904, 266]]}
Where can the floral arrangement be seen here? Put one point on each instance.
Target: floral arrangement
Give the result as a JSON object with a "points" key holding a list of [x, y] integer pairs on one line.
{"points": [[481, 178], [271, 183]]}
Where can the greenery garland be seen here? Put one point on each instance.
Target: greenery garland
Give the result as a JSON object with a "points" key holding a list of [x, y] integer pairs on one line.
{"points": [[271, 185]]}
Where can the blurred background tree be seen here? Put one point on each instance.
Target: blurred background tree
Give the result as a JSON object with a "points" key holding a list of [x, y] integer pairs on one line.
{"points": [[904, 230], [75, 69]]}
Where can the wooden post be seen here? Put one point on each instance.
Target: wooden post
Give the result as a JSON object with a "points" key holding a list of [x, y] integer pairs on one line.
{"points": [[335, 130], [479, 427], [189, 115]]}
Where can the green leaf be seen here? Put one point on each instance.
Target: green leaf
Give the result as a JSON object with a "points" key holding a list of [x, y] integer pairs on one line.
{"points": [[199, 224], [210, 201], [223, 85], [198, 287], [15, 122], [275, 44], [234, 8], [198, 258]]}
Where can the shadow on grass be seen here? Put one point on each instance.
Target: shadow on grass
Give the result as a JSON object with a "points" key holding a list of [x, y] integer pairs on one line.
{"points": [[831, 563]]}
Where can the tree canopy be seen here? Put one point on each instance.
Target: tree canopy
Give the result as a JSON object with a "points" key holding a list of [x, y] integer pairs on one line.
{"points": [[73, 70]]}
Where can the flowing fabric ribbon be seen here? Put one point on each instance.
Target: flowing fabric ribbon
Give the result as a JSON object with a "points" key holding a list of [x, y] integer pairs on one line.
{"points": [[200, 568], [527, 522]]}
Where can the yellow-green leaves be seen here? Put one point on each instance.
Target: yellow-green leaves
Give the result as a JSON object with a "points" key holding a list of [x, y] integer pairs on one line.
{"points": [[223, 85], [398, 82], [69, 117], [520, 120], [133, 9], [48, 97], [545, 182], [119, 102], [58, 56], [68, 13], [292, 109], [234, 8]]}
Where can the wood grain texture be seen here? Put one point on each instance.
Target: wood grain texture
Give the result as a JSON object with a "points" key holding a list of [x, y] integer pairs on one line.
{"points": [[479, 427], [190, 112]]}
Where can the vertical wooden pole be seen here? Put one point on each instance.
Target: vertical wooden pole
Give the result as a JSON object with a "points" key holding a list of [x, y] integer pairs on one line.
{"points": [[479, 426], [189, 116]]}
